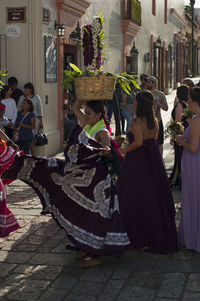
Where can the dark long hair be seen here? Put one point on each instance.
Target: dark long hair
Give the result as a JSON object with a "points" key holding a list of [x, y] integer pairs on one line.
{"points": [[29, 102], [195, 94], [31, 87], [97, 106], [145, 107], [4, 91], [183, 92]]}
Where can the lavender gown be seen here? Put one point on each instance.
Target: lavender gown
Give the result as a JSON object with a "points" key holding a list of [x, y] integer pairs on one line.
{"points": [[189, 228]]}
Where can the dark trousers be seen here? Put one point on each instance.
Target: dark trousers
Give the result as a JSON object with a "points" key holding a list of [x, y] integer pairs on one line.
{"points": [[9, 132], [175, 177]]}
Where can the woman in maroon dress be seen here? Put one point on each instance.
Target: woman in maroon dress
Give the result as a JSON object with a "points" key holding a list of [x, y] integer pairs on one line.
{"points": [[145, 198]]}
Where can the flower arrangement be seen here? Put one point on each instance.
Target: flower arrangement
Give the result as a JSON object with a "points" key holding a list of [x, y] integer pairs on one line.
{"points": [[121, 141], [187, 113], [92, 43], [104, 83], [175, 128]]}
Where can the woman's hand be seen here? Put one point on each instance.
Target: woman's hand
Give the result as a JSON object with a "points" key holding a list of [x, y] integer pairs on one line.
{"points": [[40, 124], [122, 151], [179, 139], [21, 125], [106, 151]]}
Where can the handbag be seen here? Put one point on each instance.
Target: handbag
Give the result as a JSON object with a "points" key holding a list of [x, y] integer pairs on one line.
{"points": [[16, 130], [41, 139]]}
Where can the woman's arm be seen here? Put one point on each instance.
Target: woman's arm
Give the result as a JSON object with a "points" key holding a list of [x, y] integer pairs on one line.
{"points": [[104, 138], [178, 112], [31, 126], [193, 143], [79, 114], [40, 112], [136, 129]]}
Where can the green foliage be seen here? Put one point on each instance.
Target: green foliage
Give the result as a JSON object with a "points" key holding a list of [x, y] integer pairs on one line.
{"points": [[123, 79], [136, 11], [2, 73]]}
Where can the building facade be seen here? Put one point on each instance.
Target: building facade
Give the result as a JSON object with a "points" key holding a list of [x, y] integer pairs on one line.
{"points": [[160, 41], [142, 37]]}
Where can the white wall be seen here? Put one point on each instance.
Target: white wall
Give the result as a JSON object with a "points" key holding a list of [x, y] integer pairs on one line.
{"points": [[25, 56]]}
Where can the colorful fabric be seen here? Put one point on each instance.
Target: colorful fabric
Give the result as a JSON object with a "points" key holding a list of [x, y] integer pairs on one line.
{"points": [[8, 222], [91, 130], [2, 107], [79, 193]]}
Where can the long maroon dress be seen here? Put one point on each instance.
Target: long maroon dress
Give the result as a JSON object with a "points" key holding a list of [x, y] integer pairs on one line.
{"points": [[145, 199]]}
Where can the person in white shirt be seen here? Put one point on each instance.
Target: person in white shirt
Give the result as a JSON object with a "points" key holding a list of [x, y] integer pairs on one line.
{"points": [[10, 111]]}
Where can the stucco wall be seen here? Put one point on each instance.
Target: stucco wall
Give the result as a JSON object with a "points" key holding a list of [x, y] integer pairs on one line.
{"points": [[25, 56], [154, 25], [111, 10]]}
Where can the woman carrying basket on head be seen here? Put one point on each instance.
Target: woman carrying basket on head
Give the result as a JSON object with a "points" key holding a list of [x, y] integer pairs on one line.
{"points": [[78, 191]]}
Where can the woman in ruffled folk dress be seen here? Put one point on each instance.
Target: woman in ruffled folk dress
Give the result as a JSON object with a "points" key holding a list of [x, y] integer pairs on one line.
{"points": [[8, 222], [79, 191]]}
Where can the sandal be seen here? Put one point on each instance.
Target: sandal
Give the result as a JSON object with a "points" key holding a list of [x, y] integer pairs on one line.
{"points": [[91, 262]]}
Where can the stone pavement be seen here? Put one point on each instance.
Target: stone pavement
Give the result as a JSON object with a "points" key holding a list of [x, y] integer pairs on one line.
{"points": [[34, 264]]}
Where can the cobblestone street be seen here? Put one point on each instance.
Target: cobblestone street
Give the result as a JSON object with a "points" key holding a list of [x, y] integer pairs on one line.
{"points": [[34, 264]]}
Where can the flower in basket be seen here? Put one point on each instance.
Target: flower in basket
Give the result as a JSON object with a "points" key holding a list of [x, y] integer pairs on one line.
{"points": [[175, 128], [94, 83], [187, 114], [92, 43]]}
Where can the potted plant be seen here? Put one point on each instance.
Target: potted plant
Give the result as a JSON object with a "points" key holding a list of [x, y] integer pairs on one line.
{"points": [[93, 83]]}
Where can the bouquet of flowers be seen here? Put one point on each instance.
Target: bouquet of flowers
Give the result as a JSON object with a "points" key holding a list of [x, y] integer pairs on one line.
{"points": [[187, 114], [121, 141], [175, 128]]}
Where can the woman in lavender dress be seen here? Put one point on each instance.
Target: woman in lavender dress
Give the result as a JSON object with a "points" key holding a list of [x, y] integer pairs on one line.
{"points": [[189, 229]]}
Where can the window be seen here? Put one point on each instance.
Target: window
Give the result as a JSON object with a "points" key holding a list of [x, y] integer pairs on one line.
{"points": [[154, 7], [165, 12]]}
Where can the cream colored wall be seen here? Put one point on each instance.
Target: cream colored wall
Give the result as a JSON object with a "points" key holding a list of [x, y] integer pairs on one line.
{"points": [[111, 10], [154, 25], [25, 55]]}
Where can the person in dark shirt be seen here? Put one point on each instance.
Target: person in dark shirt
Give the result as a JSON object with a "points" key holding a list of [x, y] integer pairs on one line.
{"points": [[16, 93]]}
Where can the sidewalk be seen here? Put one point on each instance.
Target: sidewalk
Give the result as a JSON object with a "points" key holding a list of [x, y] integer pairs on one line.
{"points": [[34, 264]]}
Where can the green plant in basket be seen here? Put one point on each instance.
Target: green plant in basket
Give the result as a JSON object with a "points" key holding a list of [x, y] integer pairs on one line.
{"points": [[92, 42]]}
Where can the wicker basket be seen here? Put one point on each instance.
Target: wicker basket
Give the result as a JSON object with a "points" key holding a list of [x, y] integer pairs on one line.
{"points": [[94, 88]]}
